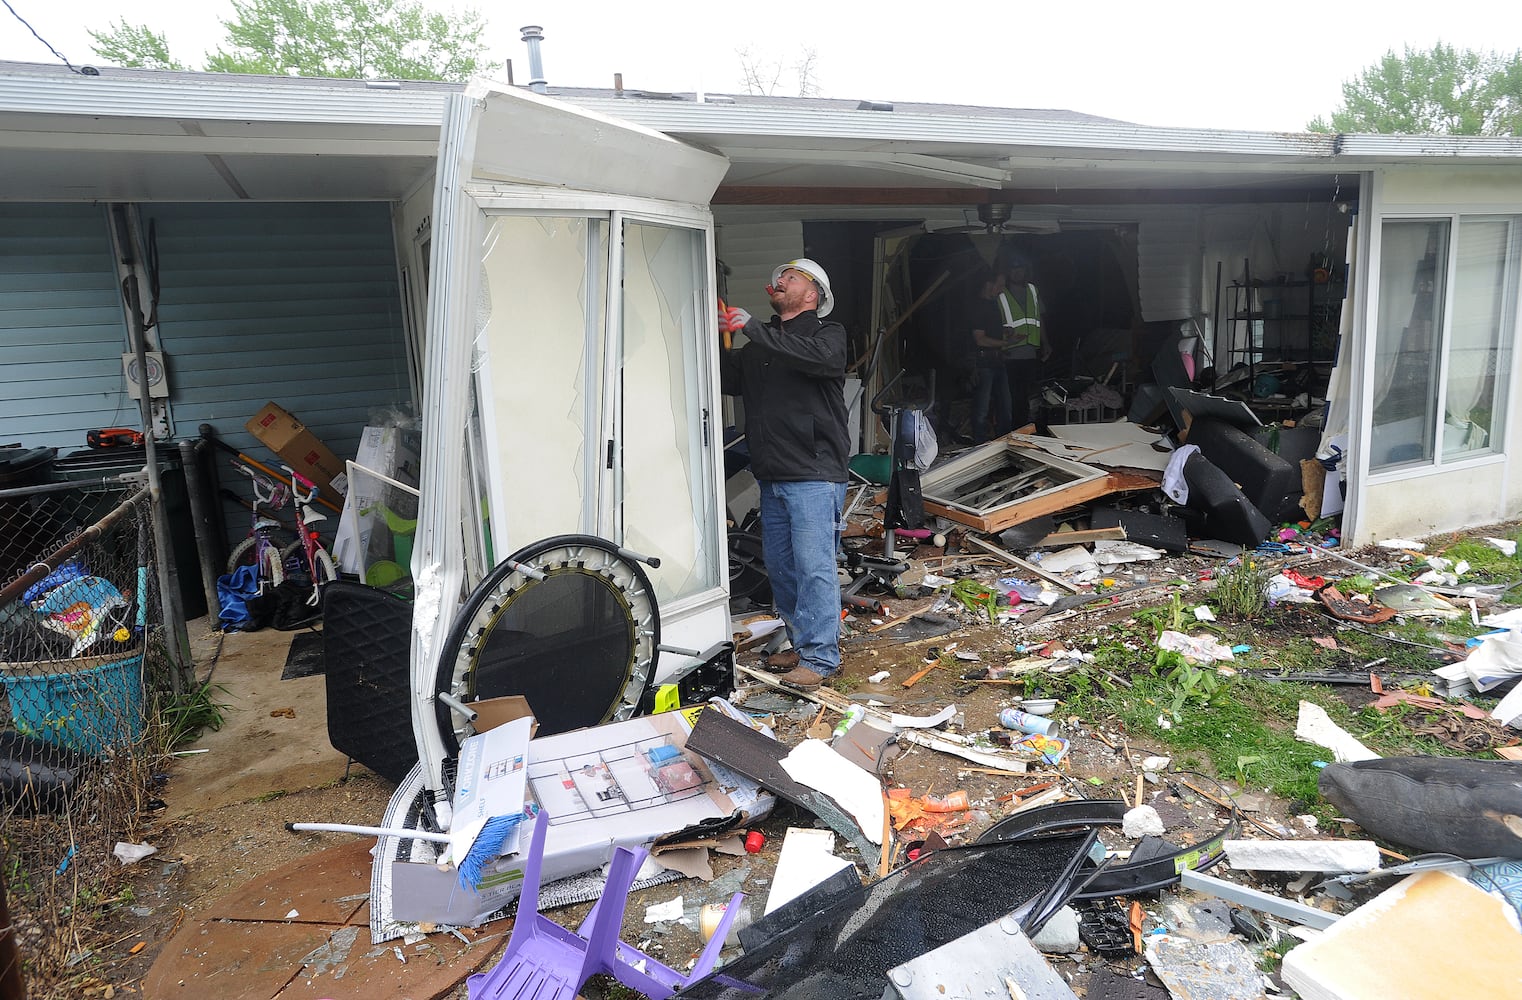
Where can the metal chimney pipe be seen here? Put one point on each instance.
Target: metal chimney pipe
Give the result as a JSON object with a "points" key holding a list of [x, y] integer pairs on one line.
{"points": [[533, 34]]}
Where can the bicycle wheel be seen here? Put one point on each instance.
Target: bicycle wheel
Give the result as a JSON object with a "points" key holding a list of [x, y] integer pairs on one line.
{"points": [[327, 569], [273, 569], [243, 553]]}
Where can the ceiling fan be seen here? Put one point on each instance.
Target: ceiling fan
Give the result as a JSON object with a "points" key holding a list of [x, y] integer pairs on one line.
{"points": [[993, 219]]}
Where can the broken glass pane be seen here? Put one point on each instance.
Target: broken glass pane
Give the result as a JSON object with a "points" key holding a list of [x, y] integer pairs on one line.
{"points": [[543, 290], [667, 484]]}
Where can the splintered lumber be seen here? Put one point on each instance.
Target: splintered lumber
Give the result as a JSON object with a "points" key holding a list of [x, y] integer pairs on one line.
{"points": [[929, 739], [1049, 502], [1060, 538], [915, 678], [1015, 560]]}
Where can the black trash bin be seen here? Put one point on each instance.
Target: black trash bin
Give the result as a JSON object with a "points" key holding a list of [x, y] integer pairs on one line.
{"points": [[28, 523], [103, 463]]}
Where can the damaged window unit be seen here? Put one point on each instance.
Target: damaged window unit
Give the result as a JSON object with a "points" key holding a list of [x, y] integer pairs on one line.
{"points": [[1002, 484], [570, 387]]}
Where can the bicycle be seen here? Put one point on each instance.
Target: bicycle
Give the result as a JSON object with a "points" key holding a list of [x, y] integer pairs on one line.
{"points": [[319, 563], [267, 540]]}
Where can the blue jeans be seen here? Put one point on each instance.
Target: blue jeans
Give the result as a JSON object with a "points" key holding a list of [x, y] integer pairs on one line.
{"points": [[800, 531], [990, 403]]}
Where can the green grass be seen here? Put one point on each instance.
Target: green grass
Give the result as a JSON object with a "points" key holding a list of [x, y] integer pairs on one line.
{"points": [[1487, 564], [1242, 727], [185, 717], [1239, 589], [1246, 732], [1247, 718]]}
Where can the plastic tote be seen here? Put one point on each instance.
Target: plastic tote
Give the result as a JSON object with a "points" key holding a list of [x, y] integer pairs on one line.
{"points": [[91, 703]]}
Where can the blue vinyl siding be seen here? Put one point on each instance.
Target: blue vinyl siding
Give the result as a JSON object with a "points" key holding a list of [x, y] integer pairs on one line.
{"points": [[62, 328], [295, 303]]}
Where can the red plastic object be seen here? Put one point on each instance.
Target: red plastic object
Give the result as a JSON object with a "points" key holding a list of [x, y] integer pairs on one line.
{"points": [[754, 841]]}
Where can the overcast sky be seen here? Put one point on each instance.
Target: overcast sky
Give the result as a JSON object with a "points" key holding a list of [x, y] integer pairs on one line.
{"points": [[1185, 63]]}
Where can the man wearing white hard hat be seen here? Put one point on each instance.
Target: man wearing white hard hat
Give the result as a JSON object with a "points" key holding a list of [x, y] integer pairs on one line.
{"points": [[791, 375]]}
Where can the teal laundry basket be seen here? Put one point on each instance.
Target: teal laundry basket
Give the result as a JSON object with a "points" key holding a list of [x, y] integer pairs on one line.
{"points": [[93, 704]]}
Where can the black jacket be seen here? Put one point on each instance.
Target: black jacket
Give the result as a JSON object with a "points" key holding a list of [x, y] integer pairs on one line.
{"points": [[792, 378]]}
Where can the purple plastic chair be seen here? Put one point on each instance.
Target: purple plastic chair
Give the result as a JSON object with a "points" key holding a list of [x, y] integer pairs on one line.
{"points": [[545, 961]]}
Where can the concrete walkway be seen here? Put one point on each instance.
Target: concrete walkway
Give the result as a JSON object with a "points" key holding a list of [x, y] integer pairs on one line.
{"points": [[274, 736], [302, 930]]}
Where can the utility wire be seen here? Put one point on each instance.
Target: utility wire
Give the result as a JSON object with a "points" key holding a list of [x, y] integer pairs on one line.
{"points": [[44, 41]]}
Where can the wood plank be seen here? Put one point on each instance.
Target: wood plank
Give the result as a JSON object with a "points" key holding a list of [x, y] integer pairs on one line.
{"points": [[1084, 537], [1029, 567], [919, 675]]}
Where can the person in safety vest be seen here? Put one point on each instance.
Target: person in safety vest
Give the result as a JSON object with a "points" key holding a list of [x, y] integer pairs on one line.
{"points": [[791, 376], [990, 385], [1024, 349]]}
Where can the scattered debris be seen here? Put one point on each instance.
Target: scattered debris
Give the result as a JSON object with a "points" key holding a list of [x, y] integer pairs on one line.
{"points": [[1315, 726], [1303, 855], [131, 854]]}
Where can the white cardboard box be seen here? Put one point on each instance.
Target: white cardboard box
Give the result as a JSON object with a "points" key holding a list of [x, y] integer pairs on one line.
{"points": [[601, 791], [392, 452]]}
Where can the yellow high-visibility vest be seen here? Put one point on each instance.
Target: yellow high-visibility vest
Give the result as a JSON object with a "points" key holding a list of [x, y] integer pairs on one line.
{"points": [[1022, 314]]}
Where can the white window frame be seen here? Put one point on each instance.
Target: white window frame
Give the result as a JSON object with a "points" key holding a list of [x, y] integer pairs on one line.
{"points": [[1437, 465], [604, 485]]}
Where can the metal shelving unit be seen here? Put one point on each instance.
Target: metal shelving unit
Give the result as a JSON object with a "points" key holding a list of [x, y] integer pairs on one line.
{"points": [[1272, 323]]}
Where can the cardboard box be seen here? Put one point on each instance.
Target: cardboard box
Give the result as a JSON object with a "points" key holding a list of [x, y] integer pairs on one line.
{"points": [[364, 535], [598, 788], [491, 781], [299, 448], [494, 712]]}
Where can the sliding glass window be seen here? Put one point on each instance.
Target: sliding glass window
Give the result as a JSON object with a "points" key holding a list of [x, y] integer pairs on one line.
{"points": [[1445, 325]]}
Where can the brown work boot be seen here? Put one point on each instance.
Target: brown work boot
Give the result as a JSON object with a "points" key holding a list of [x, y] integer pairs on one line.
{"points": [[783, 661], [802, 679]]}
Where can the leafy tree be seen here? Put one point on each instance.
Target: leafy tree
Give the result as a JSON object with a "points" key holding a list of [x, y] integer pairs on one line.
{"points": [[388, 39], [135, 46], [1441, 91]]}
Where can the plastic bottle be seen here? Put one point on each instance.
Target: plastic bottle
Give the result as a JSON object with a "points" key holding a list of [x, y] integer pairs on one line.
{"points": [[1013, 718], [955, 802], [710, 915], [853, 715]]}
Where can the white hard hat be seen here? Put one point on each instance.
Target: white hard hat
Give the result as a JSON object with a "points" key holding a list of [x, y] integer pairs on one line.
{"points": [[805, 266]]}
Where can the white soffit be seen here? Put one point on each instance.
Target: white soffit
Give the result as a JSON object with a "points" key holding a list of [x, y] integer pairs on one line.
{"points": [[521, 137]]}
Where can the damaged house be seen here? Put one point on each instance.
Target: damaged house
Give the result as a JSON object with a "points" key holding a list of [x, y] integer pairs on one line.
{"points": [[312, 241], [535, 273]]}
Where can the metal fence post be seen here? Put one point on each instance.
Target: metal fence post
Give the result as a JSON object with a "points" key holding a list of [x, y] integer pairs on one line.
{"points": [[176, 638], [208, 540]]}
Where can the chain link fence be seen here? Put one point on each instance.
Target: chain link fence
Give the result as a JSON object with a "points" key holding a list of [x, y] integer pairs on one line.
{"points": [[85, 712]]}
